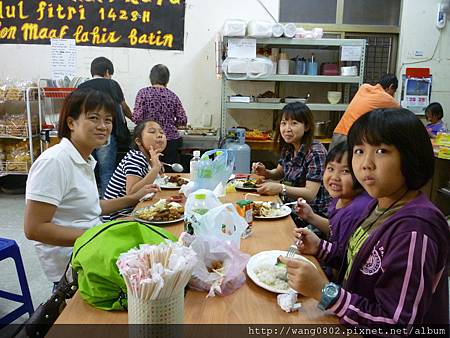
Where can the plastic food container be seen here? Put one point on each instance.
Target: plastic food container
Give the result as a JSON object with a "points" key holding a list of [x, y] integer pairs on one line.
{"points": [[260, 29], [234, 27], [349, 71]]}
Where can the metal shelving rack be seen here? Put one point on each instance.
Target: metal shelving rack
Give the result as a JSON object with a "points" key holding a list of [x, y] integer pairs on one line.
{"points": [[50, 103], [297, 44], [25, 132]]}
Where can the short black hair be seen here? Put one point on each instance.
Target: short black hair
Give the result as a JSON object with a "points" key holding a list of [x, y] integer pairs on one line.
{"points": [[336, 154], [81, 101], [387, 80], [300, 112], [159, 75], [100, 65], [402, 129], [435, 109]]}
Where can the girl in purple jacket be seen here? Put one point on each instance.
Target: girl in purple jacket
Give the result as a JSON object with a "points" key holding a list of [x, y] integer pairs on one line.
{"points": [[349, 198], [395, 262]]}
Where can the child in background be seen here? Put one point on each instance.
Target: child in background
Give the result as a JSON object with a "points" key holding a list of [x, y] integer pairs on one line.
{"points": [[348, 203], [434, 114], [140, 166], [396, 259]]}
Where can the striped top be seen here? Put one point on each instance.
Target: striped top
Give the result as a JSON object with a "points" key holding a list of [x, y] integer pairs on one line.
{"points": [[133, 164]]}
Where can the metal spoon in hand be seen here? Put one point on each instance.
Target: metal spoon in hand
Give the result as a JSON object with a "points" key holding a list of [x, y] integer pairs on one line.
{"points": [[177, 167]]}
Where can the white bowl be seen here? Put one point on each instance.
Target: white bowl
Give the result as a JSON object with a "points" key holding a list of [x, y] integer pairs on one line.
{"points": [[334, 97]]}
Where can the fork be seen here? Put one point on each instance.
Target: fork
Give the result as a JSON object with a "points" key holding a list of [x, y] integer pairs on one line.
{"points": [[289, 254], [291, 251]]}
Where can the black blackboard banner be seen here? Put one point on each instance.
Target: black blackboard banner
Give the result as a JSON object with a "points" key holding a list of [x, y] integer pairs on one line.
{"points": [[152, 24]]}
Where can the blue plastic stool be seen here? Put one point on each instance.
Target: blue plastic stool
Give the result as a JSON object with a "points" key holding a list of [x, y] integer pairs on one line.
{"points": [[10, 249]]}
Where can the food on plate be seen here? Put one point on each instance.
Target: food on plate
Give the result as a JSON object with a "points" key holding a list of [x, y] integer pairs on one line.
{"points": [[250, 183], [177, 179], [272, 275], [161, 211], [266, 209], [257, 134], [176, 198]]}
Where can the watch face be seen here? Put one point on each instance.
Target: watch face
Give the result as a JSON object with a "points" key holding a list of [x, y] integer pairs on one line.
{"points": [[331, 290]]}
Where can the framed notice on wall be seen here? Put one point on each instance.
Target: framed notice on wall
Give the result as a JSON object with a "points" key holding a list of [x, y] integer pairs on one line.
{"points": [[154, 24]]}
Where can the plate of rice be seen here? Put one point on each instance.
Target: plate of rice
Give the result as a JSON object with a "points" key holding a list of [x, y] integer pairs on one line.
{"points": [[263, 271]]}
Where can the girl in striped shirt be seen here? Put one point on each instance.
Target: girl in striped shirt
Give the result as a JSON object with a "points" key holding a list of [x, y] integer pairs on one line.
{"points": [[140, 166]]}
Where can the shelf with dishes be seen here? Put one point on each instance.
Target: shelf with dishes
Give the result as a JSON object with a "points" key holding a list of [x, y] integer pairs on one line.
{"points": [[305, 78], [279, 106], [312, 71], [306, 43]]}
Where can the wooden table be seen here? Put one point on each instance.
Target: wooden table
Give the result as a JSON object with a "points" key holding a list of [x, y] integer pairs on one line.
{"points": [[250, 304]]}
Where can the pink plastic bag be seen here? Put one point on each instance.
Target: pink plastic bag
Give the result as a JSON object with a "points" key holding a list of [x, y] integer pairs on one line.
{"points": [[220, 267]]}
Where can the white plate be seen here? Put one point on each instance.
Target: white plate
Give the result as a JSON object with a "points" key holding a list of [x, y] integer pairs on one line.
{"points": [[294, 99], [268, 99], [268, 257], [168, 185], [157, 222], [239, 184], [284, 211]]}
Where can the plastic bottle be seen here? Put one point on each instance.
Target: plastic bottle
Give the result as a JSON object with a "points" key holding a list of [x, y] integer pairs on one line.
{"points": [[193, 165], [199, 208]]}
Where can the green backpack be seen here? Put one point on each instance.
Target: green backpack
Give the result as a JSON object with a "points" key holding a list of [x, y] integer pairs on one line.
{"points": [[94, 259]]}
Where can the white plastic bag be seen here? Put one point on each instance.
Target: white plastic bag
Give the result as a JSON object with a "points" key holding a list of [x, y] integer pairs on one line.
{"points": [[191, 218], [220, 267], [222, 222]]}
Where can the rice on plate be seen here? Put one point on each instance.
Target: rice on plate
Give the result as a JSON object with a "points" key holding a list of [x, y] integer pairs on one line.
{"points": [[263, 271], [272, 275]]}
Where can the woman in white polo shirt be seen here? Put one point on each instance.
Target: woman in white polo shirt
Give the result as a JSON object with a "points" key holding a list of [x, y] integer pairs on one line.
{"points": [[62, 197]]}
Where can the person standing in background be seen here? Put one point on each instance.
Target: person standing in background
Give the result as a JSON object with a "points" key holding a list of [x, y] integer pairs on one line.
{"points": [[367, 98], [160, 104], [102, 70]]}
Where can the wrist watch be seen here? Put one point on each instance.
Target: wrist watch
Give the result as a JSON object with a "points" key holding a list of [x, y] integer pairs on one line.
{"points": [[329, 294], [283, 190]]}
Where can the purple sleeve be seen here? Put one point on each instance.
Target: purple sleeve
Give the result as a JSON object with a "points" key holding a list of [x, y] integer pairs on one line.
{"points": [[138, 111], [180, 114], [331, 253], [403, 292]]}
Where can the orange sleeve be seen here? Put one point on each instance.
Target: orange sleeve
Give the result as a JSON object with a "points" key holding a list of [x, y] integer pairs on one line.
{"points": [[367, 98]]}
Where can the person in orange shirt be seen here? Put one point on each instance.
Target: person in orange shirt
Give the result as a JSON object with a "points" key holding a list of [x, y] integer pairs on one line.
{"points": [[367, 98]]}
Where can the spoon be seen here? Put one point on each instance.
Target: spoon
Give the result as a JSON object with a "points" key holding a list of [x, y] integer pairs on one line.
{"points": [[278, 205], [177, 167]]}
